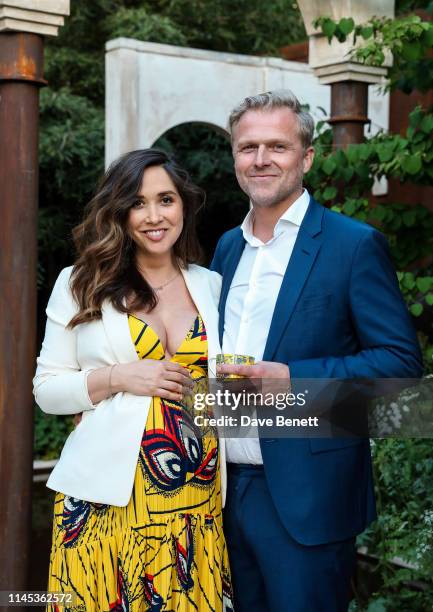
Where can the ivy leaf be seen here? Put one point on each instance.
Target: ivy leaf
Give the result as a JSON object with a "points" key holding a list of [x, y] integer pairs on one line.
{"points": [[416, 309], [349, 208], [366, 32], [412, 50], [328, 28], [347, 174], [329, 193], [329, 166], [429, 299], [424, 283], [409, 218], [427, 124], [411, 164], [346, 25], [352, 153], [379, 213], [385, 152], [409, 281]]}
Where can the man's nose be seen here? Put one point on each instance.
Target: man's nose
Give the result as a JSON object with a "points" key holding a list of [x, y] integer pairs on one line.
{"points": [[262, 156]]}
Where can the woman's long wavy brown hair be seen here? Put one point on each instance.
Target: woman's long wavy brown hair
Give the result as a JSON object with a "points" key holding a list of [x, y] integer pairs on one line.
{"points": [[105, 268]]}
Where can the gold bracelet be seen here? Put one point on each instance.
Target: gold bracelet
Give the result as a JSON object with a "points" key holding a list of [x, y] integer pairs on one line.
{"points": [[110, 388]]}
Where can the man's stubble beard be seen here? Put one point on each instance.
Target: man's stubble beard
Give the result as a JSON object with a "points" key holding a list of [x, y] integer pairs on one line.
{"points": [[284, 192]]}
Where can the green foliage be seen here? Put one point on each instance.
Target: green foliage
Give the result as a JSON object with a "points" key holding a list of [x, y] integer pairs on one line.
{"points": [[245, 26], [50, 434], [403, 471], [409, 40], [139, 23]]}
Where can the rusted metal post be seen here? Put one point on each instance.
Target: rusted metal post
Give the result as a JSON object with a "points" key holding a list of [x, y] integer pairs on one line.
{"points": [[349, 104], [21, 70]]}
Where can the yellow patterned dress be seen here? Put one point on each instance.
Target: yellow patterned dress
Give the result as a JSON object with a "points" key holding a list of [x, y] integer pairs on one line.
{"points": [[164, 551]]}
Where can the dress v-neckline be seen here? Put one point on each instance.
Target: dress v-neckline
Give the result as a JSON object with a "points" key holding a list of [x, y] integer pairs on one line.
{"points": [[159, 339]]}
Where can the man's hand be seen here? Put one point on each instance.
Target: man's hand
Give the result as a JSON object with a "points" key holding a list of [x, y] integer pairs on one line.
{"points": [[274, 377], [261, 369]]}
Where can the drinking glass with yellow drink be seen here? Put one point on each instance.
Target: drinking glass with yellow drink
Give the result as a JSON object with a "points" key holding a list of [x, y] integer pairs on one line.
{"points": [[232, 359]]}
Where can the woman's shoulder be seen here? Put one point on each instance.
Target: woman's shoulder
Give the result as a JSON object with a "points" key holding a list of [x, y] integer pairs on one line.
{"points": [[208, 278], [61, 296], [212, 277]]}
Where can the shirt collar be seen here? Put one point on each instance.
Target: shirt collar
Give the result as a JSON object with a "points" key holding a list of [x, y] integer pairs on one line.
{"points": [[294, 214]]}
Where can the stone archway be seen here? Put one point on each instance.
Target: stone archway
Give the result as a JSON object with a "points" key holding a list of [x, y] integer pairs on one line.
{"points": [[150, 88]]}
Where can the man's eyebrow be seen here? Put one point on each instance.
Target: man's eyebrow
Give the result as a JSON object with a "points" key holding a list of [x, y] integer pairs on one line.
{"points": [[272, 141]]}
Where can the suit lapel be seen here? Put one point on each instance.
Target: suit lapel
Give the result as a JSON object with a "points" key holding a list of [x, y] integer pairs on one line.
{"points": [[304, 253], [228, 273]]}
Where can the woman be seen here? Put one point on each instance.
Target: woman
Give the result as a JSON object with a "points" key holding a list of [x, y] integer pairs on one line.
{"points": [[137, 521]]}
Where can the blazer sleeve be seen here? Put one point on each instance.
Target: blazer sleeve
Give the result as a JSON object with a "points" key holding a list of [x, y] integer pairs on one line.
{"points": [[385, 332], [60, 385]]}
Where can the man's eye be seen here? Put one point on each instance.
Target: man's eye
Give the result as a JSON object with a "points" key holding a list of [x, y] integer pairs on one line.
{"points": [[279, 147], [247, 148]]}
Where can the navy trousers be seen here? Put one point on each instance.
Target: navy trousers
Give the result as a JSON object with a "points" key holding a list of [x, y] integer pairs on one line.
{"points": [[271, 572]]}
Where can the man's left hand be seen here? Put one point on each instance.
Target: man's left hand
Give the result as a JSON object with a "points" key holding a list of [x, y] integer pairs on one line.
{"points": [[261, 369]]}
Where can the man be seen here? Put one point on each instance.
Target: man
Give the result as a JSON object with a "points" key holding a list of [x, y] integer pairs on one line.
{"points": [[310, 294]]}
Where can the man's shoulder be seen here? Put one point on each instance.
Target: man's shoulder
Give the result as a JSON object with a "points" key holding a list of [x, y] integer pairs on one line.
{"points": [[230, 235], [343, 225]]}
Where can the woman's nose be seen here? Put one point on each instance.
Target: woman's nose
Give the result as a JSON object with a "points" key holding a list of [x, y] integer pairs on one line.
{"points": [[153, 214]]}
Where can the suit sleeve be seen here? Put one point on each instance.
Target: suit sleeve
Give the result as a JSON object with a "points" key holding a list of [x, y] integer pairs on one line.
{"points": [[216, 263], [60, 385], [387, 339]]}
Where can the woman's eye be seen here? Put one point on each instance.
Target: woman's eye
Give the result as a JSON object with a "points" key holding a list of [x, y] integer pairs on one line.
{"points": [[167, 200], [138, 204]]}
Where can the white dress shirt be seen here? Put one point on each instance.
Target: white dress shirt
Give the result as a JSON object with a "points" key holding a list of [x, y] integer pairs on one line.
{"points": [[251, 301]]}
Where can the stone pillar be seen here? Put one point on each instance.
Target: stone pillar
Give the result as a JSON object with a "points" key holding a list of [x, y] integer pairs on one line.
{"points": [[332, 64], [23, 24]]}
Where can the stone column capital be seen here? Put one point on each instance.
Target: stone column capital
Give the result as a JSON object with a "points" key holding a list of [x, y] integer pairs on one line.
{"points": [[43, 17], [332, 62]]}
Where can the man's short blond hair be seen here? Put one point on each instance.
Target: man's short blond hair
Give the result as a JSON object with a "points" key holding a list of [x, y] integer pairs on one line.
{"points": [[269, 100]]}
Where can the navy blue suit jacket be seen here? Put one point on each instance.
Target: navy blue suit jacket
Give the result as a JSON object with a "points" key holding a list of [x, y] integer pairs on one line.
{"points": [[339, 314]]}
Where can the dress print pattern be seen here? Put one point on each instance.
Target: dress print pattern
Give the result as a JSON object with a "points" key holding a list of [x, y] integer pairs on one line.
{"points": [[165, 550]]}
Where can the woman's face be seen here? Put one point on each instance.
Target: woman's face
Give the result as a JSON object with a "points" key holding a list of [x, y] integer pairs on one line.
{"points": [[155, 221]]}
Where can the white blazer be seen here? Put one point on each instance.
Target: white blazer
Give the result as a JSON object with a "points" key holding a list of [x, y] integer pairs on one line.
{"points": [[99, 458]]}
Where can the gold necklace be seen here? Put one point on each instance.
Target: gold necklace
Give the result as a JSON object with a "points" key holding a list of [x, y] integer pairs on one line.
{"points": [[161, 287]]}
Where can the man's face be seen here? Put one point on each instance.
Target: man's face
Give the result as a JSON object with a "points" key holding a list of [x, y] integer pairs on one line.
{"points": [[270, 160]]}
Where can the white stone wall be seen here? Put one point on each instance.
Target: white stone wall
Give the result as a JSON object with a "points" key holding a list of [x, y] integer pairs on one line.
{"points": [[151, 88]]}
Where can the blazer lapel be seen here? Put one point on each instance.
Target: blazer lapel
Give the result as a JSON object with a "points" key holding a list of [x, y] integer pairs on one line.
{"points": [[304, 253], [228, 274], [118, 333]]}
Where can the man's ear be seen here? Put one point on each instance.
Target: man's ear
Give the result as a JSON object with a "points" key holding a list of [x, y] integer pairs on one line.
{"points": [[308, 159]]}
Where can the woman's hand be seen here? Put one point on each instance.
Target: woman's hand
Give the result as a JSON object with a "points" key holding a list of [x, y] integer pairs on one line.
{"points": [[153, 378]]}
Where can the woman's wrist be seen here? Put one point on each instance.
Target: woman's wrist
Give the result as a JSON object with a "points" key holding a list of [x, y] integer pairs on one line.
{"points": [[115, 379]]}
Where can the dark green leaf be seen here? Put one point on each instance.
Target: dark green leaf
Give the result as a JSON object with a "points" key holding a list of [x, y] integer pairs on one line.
{"points": [[346, 25], [424, 283], [416, 309], [411, 164], [329, 166], [366, 32], [328, 28], [329, 193]]}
